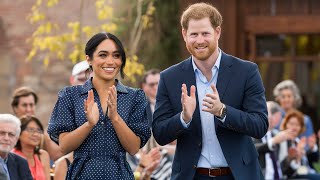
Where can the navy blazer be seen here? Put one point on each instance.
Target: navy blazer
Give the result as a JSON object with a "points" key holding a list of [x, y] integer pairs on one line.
{"points": [[18, 168], [241, 90]]}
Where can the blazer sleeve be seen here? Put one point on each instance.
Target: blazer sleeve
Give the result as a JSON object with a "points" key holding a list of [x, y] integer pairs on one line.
{"points": [[166, 125], [252, 119]]}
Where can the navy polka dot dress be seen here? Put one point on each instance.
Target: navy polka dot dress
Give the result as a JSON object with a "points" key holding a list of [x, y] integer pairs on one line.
{"points": [[101, 155]]}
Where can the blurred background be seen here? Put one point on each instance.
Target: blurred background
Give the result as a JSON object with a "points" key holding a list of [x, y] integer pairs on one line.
{"points": [[40, 40]]}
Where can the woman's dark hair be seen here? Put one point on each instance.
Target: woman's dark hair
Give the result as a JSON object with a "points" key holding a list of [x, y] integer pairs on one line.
{"points": [[95, 40], [25, 120]]}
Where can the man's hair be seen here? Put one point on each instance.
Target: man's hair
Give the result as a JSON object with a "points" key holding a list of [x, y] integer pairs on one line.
{"points": [[22, 92], [273, 107], [9, 118], [201, 10], [150, 72]]}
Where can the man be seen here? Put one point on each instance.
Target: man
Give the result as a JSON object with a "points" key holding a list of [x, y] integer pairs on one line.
{"points": [[226, 106], [12, 166], [80, 73], [24, 101], [268, 146], [150, 82]]}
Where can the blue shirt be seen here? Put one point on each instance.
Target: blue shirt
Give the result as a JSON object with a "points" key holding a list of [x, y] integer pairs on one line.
{"points": [[211, 153], [101, 155], [4, 166]]}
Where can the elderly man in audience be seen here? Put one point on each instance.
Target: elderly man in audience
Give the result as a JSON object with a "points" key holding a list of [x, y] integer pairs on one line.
{"points": [[12, 166]]}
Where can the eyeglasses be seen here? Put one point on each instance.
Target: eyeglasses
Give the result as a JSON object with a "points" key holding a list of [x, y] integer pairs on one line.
{"points": [[152, 84], [10, 134], [33, 130]]}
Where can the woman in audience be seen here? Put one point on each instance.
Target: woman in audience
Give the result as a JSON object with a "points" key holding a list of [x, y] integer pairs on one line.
{"points": [[28, 147], [292, 154]]}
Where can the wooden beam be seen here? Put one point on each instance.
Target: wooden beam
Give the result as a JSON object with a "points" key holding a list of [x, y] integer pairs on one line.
{"points": [[282, 24]]}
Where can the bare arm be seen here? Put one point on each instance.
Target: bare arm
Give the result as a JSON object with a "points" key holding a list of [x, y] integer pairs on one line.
{"points": [[45, 161], [69, 141], [128, 139]]}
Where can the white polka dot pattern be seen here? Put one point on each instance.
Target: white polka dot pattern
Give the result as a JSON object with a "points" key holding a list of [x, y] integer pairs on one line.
{"points": [[101, 155]]}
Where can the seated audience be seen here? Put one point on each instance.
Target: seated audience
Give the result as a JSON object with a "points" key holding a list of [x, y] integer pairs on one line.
{"points": [[12, 166], [28, 147], [292, 154]]}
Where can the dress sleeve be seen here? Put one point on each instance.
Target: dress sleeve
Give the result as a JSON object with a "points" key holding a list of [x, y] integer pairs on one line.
{"points": [[138, 121], [62, 118]]}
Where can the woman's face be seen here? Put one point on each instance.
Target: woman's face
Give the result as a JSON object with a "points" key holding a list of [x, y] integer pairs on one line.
{"points": [[294, 125], [31, 135], [286, 99], [106, 62]]}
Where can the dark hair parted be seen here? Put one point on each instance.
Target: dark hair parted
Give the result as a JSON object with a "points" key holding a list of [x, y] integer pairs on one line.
{"points": [[25, 120], [94, 42], [198, 11], [22, 92], [298, 115]]}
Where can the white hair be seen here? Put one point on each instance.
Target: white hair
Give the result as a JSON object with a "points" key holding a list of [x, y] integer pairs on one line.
{"points": [[9, 118], [288, 84]]}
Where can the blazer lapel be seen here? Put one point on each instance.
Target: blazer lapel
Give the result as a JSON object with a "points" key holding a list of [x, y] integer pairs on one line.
{"points": [[224, 75], [12, 167], [190, 79]]}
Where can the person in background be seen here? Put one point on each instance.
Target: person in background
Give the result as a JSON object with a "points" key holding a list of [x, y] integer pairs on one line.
{"points": [[103, 119], [226, 106], [12, 166], [28, 147], [292, 154], [287, 94], [80, 74], [268, 146], [24, 102]]}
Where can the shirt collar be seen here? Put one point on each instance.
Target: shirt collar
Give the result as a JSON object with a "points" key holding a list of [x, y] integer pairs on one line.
{"points": [[217, 64], [4, 160], [87, 86]]}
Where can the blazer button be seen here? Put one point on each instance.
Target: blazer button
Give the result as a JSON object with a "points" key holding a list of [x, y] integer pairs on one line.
{"points": [[194, 167], [199, 144]]}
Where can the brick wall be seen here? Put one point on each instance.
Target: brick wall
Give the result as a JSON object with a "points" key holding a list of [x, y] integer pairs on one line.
{"points": [[15, 71]]}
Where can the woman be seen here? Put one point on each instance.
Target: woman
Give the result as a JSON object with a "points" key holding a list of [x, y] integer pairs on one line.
{"points": [[287, 94], [28, 147], [292, 155], [103, 119]]}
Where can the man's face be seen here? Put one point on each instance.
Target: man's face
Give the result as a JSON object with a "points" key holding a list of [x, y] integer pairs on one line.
{"points": [[201, 38], [151, 85], [80, 78], [8, 137], [26, 106]]}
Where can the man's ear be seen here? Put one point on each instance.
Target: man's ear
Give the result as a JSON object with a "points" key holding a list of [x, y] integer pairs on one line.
{"points": [[218, 31], [184, 34]]}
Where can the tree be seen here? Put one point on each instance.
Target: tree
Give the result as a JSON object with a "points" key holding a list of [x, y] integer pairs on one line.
{"points": [[50, 43]]}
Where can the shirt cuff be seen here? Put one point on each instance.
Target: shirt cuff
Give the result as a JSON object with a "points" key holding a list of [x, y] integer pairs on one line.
{"points": [[222, 120], [184, 124]]}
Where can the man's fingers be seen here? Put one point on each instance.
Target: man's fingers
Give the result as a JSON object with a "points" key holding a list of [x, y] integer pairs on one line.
{"points": [[214, 89], [193, 91]]}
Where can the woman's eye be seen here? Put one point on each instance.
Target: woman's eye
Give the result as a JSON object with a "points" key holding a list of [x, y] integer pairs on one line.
{"points": [[102, 55], [116, 56]]}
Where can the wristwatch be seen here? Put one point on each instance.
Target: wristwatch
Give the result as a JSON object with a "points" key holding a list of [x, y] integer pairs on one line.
{"points": [[223, 112]]}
